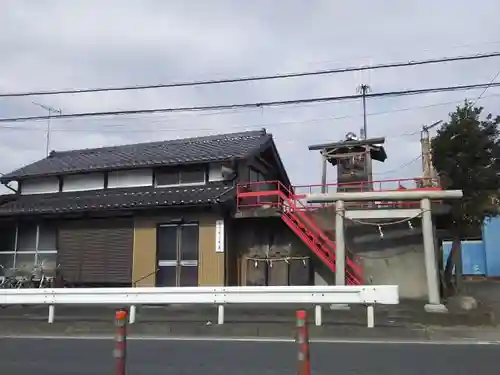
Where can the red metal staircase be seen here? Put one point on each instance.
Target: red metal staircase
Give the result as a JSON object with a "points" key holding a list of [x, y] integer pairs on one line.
{"points": [[294, 214]]}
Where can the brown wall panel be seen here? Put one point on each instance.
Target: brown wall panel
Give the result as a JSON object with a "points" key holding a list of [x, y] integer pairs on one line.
{"points": [[267, 238], [144, 258], [211, 264]]}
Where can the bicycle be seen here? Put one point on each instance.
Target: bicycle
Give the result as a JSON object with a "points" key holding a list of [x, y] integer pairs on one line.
{"points": [[47, 278], [9, 279]]}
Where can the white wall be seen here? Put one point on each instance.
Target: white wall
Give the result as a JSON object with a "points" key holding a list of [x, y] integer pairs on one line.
{"points": [[80, 182], [42, 185], [95, 181], [130, 178]]}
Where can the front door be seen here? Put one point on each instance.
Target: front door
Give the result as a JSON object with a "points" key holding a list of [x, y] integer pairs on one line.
{"points": [[177, 255]]}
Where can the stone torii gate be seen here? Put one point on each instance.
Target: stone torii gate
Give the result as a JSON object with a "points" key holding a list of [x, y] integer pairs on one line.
{"points": [[424, 196]]}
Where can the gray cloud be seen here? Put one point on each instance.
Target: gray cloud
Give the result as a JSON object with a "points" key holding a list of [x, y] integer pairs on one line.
{"points": [[87, 43]]}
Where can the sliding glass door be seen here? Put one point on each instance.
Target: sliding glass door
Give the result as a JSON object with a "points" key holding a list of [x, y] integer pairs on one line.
{"points": [[177, 255]]}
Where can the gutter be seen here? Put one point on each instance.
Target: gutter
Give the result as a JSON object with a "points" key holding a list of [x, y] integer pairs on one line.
{"points": [[6, 184]]}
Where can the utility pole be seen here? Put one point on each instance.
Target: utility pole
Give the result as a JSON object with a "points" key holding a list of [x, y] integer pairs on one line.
{"points": [[50, 110], [364, 89], [429, 174]]}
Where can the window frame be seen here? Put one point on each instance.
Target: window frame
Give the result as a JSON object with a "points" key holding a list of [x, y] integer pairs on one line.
{"points": [[36, 252], [178, 172]]}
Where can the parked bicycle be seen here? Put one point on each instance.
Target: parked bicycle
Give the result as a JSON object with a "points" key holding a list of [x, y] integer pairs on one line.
{"points": [[39, 276], [8, 279]]}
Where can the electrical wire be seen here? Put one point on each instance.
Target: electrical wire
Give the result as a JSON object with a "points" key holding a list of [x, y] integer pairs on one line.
{"points": [[400, 167], [255, 78], [486, 88], [119, 128], [224, 107]]}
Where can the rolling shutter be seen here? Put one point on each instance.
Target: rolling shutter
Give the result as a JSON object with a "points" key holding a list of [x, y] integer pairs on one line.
{"points": [[96, 251]]}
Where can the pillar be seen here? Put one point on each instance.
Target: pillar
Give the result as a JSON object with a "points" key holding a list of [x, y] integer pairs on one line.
{"points": [[340, 251], [434, 304], [323, 174], [340, 244]]}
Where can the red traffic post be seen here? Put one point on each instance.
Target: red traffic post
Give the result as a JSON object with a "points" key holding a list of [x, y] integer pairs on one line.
{"points": [[120, 352], [302, 339]]}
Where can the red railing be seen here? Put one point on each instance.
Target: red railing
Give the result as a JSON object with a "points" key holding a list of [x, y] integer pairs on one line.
{"points": [[301, 191], [265, 193], [261, 193]]}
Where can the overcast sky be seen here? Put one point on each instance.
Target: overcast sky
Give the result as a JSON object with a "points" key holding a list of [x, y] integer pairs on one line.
{"points": [[90, 43]]}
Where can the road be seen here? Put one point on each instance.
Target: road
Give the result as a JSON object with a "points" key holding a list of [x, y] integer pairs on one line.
{"points": [[155, 357]]}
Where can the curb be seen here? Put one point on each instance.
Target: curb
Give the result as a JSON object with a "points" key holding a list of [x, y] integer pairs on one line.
{"points": [[261, 330]]}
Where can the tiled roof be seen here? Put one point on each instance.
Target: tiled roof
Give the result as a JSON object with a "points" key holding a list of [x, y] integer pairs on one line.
{"points": [[117, 199], [174, 152]]}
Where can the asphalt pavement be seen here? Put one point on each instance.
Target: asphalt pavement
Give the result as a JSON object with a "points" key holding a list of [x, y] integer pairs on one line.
{"points": [[151, 357]]}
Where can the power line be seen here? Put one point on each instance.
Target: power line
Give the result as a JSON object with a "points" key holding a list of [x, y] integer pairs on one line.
{"points": [[224, 107], [121, 128], [255, 78], [486, 88], [407, 164]]}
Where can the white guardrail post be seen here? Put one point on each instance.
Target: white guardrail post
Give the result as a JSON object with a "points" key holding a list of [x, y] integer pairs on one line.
{"points": [[368, 295]]}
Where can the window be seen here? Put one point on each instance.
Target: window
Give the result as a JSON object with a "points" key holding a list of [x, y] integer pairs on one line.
{"points": [[186, 176], [257, 179], [7, 237], [192, 176], [26, 244], [167, 178], [254, 175]]}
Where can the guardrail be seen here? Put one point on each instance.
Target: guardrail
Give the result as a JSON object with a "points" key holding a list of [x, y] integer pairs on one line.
{"points": [[368, 295]]}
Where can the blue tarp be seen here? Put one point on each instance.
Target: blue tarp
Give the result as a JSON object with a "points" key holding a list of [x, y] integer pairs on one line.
{"points": [[473, 256]]}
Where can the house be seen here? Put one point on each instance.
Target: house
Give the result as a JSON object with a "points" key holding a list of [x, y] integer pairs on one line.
{"points": [[146, 214], [208, 211]]}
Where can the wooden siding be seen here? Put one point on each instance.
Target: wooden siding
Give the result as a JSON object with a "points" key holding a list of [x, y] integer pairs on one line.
{"points": [[210, 264], [144, 253], [211, 267], [96, 251]]}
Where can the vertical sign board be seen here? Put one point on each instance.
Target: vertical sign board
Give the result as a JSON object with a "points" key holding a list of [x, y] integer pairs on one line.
{"points": [[219, 236]]}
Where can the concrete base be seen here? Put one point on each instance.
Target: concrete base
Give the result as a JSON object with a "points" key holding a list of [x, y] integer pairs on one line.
{"points": [[440, 309], [339, 306]]}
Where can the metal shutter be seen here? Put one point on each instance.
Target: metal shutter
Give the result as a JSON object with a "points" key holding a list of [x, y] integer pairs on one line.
{"points": [[96, 251]]}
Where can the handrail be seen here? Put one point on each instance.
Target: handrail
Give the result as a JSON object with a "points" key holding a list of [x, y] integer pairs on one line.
{"points": [[293, 190], [220, 296], [317, 231], [433, 181]]}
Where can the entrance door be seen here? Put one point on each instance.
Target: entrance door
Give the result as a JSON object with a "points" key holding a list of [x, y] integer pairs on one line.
{"points": [[177, 255]]}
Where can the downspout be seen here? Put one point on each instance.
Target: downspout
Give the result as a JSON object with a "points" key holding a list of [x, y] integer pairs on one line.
{"points": [[11, 188], [7, 186]]}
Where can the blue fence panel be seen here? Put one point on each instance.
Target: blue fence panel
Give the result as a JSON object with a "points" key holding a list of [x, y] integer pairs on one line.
{"points": [[491, 238], [473, 257]]}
